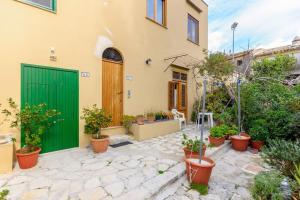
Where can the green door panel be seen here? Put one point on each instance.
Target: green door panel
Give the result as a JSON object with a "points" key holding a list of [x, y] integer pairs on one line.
{"points": [[59, 89]]}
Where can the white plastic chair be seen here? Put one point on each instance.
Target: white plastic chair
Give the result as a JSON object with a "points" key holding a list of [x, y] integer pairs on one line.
{"points": [[180, 117]]}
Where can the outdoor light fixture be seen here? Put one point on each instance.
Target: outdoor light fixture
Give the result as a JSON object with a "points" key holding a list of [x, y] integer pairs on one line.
{"points": [[148, 61], [234, 25]]}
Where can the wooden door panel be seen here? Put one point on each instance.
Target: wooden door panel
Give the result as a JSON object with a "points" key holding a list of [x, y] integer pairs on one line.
{"points": [[112, 90]]}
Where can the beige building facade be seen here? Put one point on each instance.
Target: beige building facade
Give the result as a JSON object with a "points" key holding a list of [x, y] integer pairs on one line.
{"points": [[72, 36]]}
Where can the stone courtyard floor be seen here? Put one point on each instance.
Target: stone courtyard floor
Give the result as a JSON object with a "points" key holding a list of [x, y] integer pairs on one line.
{"points": [[152, 169]]}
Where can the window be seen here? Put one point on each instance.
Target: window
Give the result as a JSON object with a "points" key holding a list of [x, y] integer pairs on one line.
{"points": [[177, 76], [156, 11], [193, 29], [239, 62], [44, 4], [112, 54]]}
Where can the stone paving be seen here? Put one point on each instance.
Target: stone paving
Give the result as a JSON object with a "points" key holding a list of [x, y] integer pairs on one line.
{"points": [[231, 179], [151, 169]]}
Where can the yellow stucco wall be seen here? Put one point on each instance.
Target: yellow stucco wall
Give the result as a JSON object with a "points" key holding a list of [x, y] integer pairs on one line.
{"points": [[81, 30]]}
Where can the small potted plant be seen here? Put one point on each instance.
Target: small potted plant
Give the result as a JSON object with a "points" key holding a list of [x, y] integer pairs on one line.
{"points": [[34, 121], [233, 130], [150, 117], [158, 116], [192, 146], [127, 122], [217, 135], [259, 133], [140, 119], [95, 119]]}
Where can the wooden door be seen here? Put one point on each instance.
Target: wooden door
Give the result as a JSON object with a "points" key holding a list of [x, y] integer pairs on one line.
{"points": [[58, 89], [112, 90], [178, 96]]}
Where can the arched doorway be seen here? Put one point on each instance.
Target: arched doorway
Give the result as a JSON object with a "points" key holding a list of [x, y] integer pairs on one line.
{"points": [[112, 84]]}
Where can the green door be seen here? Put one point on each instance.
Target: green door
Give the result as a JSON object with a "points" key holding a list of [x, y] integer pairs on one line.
{"points": [[58, 88]]}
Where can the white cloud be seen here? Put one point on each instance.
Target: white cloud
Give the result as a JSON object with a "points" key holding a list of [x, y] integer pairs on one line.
{"points": [[265, 22]]}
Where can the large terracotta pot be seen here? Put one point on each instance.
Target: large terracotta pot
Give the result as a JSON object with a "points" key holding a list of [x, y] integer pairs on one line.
{"points": [[27, 160], [199, 173], [216, 141], [240, 142], [100, 145], [190, 154], [257, 144]]}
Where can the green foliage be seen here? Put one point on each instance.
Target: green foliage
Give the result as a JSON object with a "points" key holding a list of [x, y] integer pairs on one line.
{"points": [[219, 131], [267, 186], [217, 100], [192, 144], [227, 116], [161, 115], [217, 66], [95, 119], [34, 120], [296, 173], [233, 130], [160, 171], [282, 155], [196, 109], [258, 130], [127, 122], [201, 188], [3, 194], [271, 102], [276, 68]]}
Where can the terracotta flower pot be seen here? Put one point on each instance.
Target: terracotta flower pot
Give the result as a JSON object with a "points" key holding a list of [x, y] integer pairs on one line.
{"points": [[140, 120], [27, 160], [151, 119], [100, 145], [199, 173], [240, 142], [190, 154], [216, 141], [257, 144]]}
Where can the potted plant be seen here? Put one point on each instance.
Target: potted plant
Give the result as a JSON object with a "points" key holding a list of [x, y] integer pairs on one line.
{"points": [[150, 117], [233, 130], [127, 122], [217, 135], [192, 146], [158, 116], [140, 119], [95, 119], [259, 133], [34, 121], [240, 142]]}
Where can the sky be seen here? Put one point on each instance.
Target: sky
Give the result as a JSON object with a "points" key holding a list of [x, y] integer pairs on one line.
{"points": [[264, 23]]}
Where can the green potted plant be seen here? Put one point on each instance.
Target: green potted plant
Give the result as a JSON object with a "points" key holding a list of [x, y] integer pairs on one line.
{"points": [[192, 146], [34, 121], [150, 117], [140, 119], [158, 116], [233, 130], [95, 119], [127, 122], [217, 135], [259, 133]]}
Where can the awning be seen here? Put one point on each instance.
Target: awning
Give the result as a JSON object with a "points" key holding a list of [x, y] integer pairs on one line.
{"points": [[183, 60]]}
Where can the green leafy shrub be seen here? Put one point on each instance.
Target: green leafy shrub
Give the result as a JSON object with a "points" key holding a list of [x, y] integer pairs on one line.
{"points": [[233, 130], [282, 155], [202, 189], [296, 174], [219, 131], [192, 145], [127, 122], [267, 186], [34, 120], [95, 119], [3, 194], [258, 130]]}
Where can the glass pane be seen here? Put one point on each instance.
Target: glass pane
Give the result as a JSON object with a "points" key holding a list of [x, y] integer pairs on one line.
{"points": [[43, 3], [150, 9], [183, 77], [192, 29], [112, 54], [176, 75], [160, 11]]}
